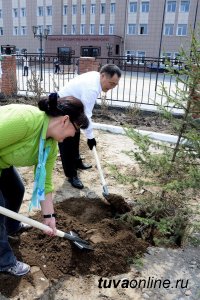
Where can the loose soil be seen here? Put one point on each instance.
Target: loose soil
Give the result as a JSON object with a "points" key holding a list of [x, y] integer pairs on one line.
{"points": [[113, 242], [149, 121]]}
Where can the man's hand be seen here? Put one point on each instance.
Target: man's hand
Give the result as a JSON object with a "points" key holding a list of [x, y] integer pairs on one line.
{"points": [[91, 143]]}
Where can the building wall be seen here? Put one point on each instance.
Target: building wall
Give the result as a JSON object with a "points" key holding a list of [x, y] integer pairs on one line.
{"points": [[75, 42], [151, 44], [21, 41]]}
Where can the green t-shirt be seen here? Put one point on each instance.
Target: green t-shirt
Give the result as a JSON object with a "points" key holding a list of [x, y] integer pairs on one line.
{"points": [[20, 129]]}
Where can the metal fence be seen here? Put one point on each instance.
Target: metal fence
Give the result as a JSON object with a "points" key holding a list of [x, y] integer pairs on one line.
{"points": [[40, 70], [139, 85]]}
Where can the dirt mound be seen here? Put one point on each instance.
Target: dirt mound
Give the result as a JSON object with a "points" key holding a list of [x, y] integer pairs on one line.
{"points": [[118, 204], [114, 244]]}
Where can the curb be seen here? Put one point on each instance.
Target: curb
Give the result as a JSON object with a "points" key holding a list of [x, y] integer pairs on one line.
{"points": [[169, 138]]}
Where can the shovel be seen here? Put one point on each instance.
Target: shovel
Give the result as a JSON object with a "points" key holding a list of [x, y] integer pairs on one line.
{"points": [[72, 236], [116, 201], [105, 192]]}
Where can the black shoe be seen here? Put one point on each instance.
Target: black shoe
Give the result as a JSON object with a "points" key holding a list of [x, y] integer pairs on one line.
{"points": [[83, 166], [76, 182]]}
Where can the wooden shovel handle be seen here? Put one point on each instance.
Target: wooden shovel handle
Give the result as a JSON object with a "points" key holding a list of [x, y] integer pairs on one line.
{"points": [[11, 214], [103, 182]]}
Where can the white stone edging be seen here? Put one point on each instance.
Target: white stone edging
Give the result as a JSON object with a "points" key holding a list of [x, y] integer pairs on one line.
{"points": [[169, 138]]}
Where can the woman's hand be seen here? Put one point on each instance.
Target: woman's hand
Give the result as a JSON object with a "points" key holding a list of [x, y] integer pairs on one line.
{"points": [[51, 222], [48, 214]]}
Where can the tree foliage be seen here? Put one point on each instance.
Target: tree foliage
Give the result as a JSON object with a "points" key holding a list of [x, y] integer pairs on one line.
{"points": [[172, 168]]}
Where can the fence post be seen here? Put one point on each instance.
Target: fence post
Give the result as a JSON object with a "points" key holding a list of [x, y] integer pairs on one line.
{"points": [[87, 64], [9, 78]]}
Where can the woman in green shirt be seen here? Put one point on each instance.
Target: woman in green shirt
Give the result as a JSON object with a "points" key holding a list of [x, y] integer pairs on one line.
{"points": [[29, 136]]}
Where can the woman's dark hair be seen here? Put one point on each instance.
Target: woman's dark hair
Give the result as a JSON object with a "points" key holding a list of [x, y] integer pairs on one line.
{"points": [[111, 70], [54, 106]]}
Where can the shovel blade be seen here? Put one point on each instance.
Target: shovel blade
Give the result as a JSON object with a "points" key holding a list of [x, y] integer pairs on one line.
{"points": [[74, 237], [81, 245], [105, 191]]}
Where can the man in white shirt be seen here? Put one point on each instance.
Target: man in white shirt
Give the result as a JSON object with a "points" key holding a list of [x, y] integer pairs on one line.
{"points": [[87, 88]]}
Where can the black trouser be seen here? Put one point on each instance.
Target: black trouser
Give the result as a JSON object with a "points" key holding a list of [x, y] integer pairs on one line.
{"points": [[11, 196], [69, 152], [57, 68], [25, 71], [12, 193]]}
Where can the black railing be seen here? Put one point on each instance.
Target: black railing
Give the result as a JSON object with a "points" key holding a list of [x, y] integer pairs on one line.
{"points": [[142, 79], [140, 83], [51, 80]]}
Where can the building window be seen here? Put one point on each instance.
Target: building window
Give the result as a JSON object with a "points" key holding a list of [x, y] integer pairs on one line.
{"points": [[92, 29], [82, 29], [117, 49], [93, 9], [64, 29], [185, 5], [0, 13], [177, 59], [23, 51], [171, 6], [23, 12], [167, 55], [1, 30], [16, 30], [83, 9], [103, 8], [131, 29], [176, 55], [169, 29], [112, 8], [23, 30], [133, 7], [74, 9], [101, 29], [141, 55], [143, 29], [145, 7], [90, 51], [15, 12], [111, 29], [17, 51], [73, 30], [49, 10], [49, 28], [40, 11], [65, 8], [182, 29], [40, 50], [130, 54]]}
